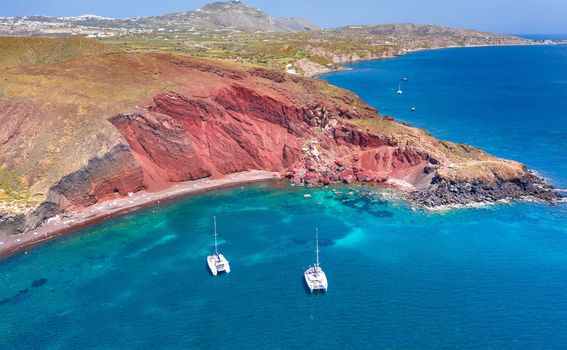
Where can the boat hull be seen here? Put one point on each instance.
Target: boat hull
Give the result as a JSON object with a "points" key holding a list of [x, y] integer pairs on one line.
{"points": [[316, 280], [217, 264]]}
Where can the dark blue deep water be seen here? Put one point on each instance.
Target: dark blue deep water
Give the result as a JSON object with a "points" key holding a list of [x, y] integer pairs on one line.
{"points": [[544, 36], [488, 278]]}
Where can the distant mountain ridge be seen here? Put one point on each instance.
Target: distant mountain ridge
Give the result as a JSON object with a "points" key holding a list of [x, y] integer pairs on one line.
{"points": [[230, 15], [413, 29], [233, 15]]}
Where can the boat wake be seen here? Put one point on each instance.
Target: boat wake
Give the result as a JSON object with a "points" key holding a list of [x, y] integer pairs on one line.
{"points": [[163, 240]]}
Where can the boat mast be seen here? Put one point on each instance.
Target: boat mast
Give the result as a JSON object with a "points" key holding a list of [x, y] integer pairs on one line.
{"points": [[317, 249], [215, 234]]}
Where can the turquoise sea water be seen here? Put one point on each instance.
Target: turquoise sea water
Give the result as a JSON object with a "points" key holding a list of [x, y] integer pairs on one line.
{"points": [[493, 277]]}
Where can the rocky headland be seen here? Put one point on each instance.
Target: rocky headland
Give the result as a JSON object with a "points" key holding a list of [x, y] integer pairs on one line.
{"points": [[93, 129]]}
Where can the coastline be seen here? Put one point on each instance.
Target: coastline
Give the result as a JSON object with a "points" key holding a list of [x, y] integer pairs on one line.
{"points": [[343, 68], [100, 212], [81, 218]]}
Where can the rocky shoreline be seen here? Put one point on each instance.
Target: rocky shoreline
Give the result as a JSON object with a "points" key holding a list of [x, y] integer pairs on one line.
{"points": [[314, 71], [442, 192]]}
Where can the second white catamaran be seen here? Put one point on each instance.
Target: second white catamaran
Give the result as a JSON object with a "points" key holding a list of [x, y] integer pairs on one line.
{"points": [[315, 276], [217, 262]]}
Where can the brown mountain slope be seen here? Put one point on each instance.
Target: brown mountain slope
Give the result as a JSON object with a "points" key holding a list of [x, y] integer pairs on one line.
{"points": [[17, 51], [84, 130]]}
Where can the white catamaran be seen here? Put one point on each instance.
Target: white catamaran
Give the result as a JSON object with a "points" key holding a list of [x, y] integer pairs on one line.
{"points": [[217, 262], [315, 276]]}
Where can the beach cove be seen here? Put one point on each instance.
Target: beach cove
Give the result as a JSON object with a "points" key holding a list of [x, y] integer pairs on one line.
{"points": [[488, 277], [75, 220]]}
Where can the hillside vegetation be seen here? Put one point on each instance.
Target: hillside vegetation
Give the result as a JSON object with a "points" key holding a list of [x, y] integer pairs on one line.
{"points": [[18, 51]]}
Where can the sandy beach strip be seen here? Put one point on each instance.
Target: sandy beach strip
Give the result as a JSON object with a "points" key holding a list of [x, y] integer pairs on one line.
{"points": [[99, 212]]}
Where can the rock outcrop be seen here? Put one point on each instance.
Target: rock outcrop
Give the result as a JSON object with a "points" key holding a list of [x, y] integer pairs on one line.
{"points": [[445, 192]]}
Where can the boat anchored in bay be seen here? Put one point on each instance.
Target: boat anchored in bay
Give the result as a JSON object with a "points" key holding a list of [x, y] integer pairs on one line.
{"points": [[315, 276], [217, 262]]}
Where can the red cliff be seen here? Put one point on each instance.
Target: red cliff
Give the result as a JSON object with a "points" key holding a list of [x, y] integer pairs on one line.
{"points": [[152, 120]]}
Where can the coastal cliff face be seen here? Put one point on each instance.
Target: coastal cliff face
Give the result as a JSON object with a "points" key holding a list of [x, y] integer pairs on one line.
{"points": [[90, 129]]}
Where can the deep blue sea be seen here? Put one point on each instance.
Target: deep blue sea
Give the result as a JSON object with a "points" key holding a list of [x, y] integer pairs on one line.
{"points": [[486, 278]]}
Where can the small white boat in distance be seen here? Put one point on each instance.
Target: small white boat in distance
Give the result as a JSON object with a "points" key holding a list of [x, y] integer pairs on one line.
{"points": [[400, 90], [315, 276], [217, 262]]}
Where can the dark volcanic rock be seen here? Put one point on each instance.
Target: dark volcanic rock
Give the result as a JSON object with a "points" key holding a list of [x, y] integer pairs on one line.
{"points": [[115, 172], [444, 192]]}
